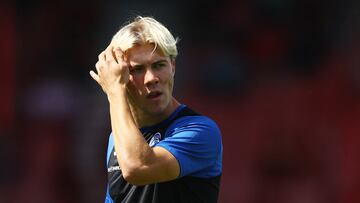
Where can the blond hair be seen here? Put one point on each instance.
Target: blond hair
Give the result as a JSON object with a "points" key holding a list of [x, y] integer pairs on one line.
{"points": [[146, 30]]}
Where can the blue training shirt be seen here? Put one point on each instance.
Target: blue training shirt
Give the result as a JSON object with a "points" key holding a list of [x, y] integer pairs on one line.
{"points": [[194, 140]]}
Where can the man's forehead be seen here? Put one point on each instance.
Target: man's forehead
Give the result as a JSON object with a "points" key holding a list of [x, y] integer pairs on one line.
{"points": [[145, 54]]}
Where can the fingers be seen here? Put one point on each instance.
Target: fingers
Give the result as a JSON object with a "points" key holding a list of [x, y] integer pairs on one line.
{"points": [[101, 56], [109, 54], [118, 53], [98, 67], [121, 57], [97, 79], [94, 76], [112, 53]]}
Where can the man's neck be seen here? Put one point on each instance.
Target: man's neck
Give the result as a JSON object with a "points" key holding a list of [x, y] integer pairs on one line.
{"points": [[143, 119]]}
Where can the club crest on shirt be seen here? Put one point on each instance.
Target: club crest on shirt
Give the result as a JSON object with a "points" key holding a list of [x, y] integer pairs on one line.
{"points": [[155, 139]]}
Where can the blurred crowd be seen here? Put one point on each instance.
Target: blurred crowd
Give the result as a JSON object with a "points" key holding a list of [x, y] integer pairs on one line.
{"points": [[281, 78]]}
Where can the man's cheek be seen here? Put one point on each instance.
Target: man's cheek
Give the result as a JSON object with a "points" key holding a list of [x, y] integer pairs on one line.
{"points": [[131, 90], [131, 85]]}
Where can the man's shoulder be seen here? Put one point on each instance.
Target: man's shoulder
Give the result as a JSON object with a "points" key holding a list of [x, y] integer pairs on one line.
{"points": [[192, 122], [201, 119]]}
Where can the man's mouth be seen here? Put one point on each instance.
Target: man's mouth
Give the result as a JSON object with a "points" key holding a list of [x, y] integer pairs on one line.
{"points": [[153, 94]]}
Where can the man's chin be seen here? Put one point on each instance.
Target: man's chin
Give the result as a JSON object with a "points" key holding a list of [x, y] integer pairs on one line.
{"points": [[156, 110]]}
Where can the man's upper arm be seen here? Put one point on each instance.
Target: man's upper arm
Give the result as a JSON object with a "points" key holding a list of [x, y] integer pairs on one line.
{"points": [[196, 144], [191, 148]]}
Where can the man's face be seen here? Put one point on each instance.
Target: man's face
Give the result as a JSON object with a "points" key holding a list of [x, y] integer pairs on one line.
{"points": [[151, 79]]}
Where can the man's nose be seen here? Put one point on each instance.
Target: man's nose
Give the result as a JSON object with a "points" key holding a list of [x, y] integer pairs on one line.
{"points": [[150, 77]]}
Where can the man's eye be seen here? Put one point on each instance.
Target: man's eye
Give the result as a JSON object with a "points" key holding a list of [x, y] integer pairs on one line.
{"points": [[136, 70], [159, 65]]}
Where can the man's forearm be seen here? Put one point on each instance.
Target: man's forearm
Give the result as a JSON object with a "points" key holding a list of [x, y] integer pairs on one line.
{"points": [[131, 147]]}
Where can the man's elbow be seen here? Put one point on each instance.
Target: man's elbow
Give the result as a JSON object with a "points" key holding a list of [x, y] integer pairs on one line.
{"points": [[133, 175]]}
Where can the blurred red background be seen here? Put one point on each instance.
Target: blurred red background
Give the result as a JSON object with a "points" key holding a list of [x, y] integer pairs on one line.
{"points": [[281, 78]]}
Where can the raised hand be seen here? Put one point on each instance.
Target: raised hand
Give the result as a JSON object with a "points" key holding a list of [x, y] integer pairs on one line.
{"points": [[112, 70]]}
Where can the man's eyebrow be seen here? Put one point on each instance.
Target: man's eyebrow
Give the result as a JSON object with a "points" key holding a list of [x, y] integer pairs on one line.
{"points": [[160, 61], [139, 65]]}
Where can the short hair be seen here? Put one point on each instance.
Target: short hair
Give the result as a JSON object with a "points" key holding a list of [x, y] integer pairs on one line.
{"points": [[146, 30]]}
